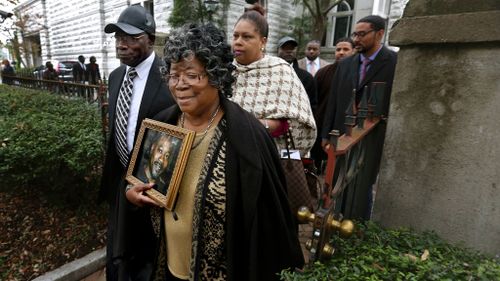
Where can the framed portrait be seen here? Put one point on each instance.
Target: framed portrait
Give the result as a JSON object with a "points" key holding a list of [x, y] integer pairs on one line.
{"points": [[160, 155]]}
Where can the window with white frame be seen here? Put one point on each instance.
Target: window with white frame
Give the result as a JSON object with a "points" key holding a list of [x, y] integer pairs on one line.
{"points": [[263, 3], [339, 22], [381, 8], [148, 5]]}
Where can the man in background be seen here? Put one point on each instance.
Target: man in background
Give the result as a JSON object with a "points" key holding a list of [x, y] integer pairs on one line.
{"points": [[344, 47], [312, 62], [93, 73], [373, 63], [287, 50], [50, 73], [7, 71], [136, 91], [79, 70]]}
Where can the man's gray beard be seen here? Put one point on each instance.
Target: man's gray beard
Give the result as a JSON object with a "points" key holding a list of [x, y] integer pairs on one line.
{"points": [[156, 170]]}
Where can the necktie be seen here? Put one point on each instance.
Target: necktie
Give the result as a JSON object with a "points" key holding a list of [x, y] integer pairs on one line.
{"points": [[312, 68], [364, 68], [122, 110]]}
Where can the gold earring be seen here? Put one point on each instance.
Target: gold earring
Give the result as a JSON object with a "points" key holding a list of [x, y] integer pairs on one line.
{"points": [[262, 49]]}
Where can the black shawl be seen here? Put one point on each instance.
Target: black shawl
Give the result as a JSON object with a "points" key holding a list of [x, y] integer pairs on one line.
{"points": [[261, 235]]}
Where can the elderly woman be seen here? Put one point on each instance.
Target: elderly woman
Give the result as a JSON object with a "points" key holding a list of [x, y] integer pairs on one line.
{"points": [[267, 86], [231, 220]]}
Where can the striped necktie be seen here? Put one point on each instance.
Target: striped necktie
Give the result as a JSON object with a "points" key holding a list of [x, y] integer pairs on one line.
{"points": [[122, 111]]}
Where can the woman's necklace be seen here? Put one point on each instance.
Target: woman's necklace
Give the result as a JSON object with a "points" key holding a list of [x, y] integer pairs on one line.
{"points": [[206, 130]]}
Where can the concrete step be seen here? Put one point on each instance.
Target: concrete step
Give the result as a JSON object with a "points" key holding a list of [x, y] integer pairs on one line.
{"points": [[88, 268]]}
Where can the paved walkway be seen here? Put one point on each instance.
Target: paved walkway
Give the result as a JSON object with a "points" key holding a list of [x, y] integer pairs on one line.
{"points": [[97, 276], [304, 235]]}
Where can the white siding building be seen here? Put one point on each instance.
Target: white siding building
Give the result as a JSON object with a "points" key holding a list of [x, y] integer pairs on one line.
{"points": [[63, 30], [67, 29]]}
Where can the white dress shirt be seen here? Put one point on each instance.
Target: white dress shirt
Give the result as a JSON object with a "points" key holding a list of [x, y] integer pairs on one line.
{"points": [[316, 63], [138, 91]]}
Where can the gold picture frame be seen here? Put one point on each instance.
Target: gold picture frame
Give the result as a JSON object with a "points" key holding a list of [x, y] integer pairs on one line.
{"points": [[160, 155]]}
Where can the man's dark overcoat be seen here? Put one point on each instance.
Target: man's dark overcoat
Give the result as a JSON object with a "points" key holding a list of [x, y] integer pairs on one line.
{"points": [[323, 79], [79, 74], [345, 80], [309, 84], [156, 98], [93, 73]]}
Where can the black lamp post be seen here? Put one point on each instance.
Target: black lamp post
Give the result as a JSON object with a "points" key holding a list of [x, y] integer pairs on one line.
{"points": [[211, 6]]}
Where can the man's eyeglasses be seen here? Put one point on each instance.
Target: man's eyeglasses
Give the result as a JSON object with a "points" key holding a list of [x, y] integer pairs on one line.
{"points": [[361, 34], [127, 39], [188, 78]]}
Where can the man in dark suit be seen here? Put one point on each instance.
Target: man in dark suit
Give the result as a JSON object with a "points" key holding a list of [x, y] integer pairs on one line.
{"points": [[80, 76], [372, 63], [80, 70], [287, 50], [344, 47], [136, 91]]}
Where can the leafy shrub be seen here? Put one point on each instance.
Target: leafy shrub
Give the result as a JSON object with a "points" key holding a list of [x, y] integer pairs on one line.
{"points": [[47, 140], [374, 253]]}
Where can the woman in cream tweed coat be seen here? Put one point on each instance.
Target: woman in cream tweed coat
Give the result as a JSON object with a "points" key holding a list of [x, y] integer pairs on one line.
{"points": [[267, 86]]}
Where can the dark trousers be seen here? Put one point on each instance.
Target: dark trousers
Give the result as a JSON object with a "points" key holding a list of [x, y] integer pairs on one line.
{"points": [[319, 156], [111, 268]]}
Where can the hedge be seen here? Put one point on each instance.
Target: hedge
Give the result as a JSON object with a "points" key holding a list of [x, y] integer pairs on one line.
{"points": [[48, 140], [375, 253]]}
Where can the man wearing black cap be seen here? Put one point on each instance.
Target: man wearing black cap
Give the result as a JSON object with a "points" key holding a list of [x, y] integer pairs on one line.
{"points": [[136, 91], [287, 50]]}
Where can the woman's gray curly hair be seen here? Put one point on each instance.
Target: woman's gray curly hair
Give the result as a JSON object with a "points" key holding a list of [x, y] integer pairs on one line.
{"points": [[208, 44]]}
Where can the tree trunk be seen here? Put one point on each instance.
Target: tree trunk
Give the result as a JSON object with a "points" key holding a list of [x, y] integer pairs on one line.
{"points": [[319, 24], [319, 9]]}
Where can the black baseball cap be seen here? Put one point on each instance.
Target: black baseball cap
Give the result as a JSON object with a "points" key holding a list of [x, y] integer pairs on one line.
{"points": [[287, 39], [133, 20]]}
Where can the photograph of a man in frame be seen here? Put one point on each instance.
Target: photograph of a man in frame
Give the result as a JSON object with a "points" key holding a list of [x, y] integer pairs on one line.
{"points": [[158, 157]]}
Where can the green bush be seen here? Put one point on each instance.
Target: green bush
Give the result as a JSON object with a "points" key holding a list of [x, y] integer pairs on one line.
{"points": [[374, 253], [47, 140]]}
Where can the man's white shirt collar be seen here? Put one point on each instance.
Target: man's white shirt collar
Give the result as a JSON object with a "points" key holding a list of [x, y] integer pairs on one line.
{"points": [[140, 82], [143, 68], [315, 61]]}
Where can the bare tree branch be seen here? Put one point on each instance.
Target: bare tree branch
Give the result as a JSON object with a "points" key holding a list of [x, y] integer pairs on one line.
{"points": [[318, 7], [335, 3], [318, 10], [308, 6]]}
